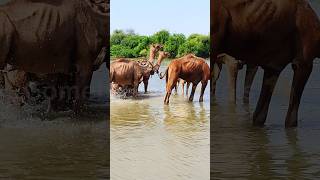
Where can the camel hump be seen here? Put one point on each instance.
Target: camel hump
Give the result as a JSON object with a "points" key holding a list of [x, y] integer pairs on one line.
{"points": [[191, 55], [122, 60]]}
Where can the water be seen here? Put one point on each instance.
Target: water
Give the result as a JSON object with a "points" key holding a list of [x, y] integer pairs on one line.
{"points": [[242, 151], [152, 141], [60, 147]]}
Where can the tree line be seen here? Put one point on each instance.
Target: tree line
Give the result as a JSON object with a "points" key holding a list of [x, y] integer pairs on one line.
{"points": [[128, 44]]}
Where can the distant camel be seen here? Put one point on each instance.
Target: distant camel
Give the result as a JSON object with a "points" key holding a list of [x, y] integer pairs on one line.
{"points": [[189, 68]]}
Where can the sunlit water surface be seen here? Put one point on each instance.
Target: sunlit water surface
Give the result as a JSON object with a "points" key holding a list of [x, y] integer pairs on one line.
{"points": [[150, 140]]}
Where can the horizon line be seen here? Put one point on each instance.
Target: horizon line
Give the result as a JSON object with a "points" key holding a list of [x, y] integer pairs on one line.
{"points": [[171, 32]]}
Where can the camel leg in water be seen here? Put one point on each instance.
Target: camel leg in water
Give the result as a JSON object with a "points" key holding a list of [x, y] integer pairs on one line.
{"points": [[300, 78], [232, 66], [145, 82], [250, 74], [215, 76], [182, 86], [269, 81], [194, 86], [203, 87], [187, 89], [169, 88]]}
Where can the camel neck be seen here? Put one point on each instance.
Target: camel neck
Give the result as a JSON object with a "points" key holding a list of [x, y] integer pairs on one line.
{"points": [[159, 60], [152, 56]]}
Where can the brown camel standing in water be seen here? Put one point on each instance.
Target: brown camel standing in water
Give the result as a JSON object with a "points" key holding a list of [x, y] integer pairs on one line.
{"points": [[270, 34], [154, 48], [125, 73], [189, 68]]}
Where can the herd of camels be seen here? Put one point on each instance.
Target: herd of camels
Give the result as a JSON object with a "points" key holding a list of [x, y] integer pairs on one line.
{"points": [[128, 74], [267, 33]]}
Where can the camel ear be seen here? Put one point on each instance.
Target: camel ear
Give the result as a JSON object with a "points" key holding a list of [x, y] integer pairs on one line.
{"points": [[101, 7]]}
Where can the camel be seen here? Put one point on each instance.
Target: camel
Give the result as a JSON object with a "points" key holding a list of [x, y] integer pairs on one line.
{"points": [[189, 68], [270, 34]]}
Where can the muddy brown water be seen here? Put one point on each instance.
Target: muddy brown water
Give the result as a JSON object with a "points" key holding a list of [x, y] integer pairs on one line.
{"points": [[273, 152], [60, 147], [152, 141]]}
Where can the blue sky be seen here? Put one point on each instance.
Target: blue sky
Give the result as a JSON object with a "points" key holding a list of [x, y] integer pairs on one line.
{"points": [[149, 16]]}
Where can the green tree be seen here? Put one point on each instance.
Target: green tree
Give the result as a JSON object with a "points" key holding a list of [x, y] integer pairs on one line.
{"points": [[121, 51], [161, 37], [128, 44], [196, 44], [173, 43], [116, 37]]}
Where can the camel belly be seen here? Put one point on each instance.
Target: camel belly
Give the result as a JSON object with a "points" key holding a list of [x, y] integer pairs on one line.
{"points": [[42, 64], [191, 76], [123, 80]]}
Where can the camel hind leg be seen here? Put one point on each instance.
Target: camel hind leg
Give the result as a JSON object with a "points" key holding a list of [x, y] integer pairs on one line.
{"points": [[300, 78], [194, 86], [171, 83], [203, 87]]}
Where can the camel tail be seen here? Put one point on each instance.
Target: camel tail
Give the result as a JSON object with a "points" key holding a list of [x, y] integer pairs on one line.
{"points": [[111, 76], [165, 74]]}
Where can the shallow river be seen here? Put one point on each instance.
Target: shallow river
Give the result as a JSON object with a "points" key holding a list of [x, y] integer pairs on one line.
{"points": [[242, 151], [59, 147], [152, 141]]}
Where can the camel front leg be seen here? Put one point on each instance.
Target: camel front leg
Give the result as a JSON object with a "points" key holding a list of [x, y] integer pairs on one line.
{"points": [[232, 66], [135, 90], [269, 81], [187, 89], [250, 74], [300, 78], [194, 86], [82, 87], [146, 82], [182, 87], [203, 88], [215, 76]]}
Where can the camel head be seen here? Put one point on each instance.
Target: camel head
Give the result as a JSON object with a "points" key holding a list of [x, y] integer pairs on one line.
{"points": [[154, 48], [101, 7], [147, 67], [161, 57]]}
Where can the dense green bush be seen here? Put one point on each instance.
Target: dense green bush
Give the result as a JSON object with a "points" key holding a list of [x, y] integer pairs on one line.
{"points": [[131, 45]]}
